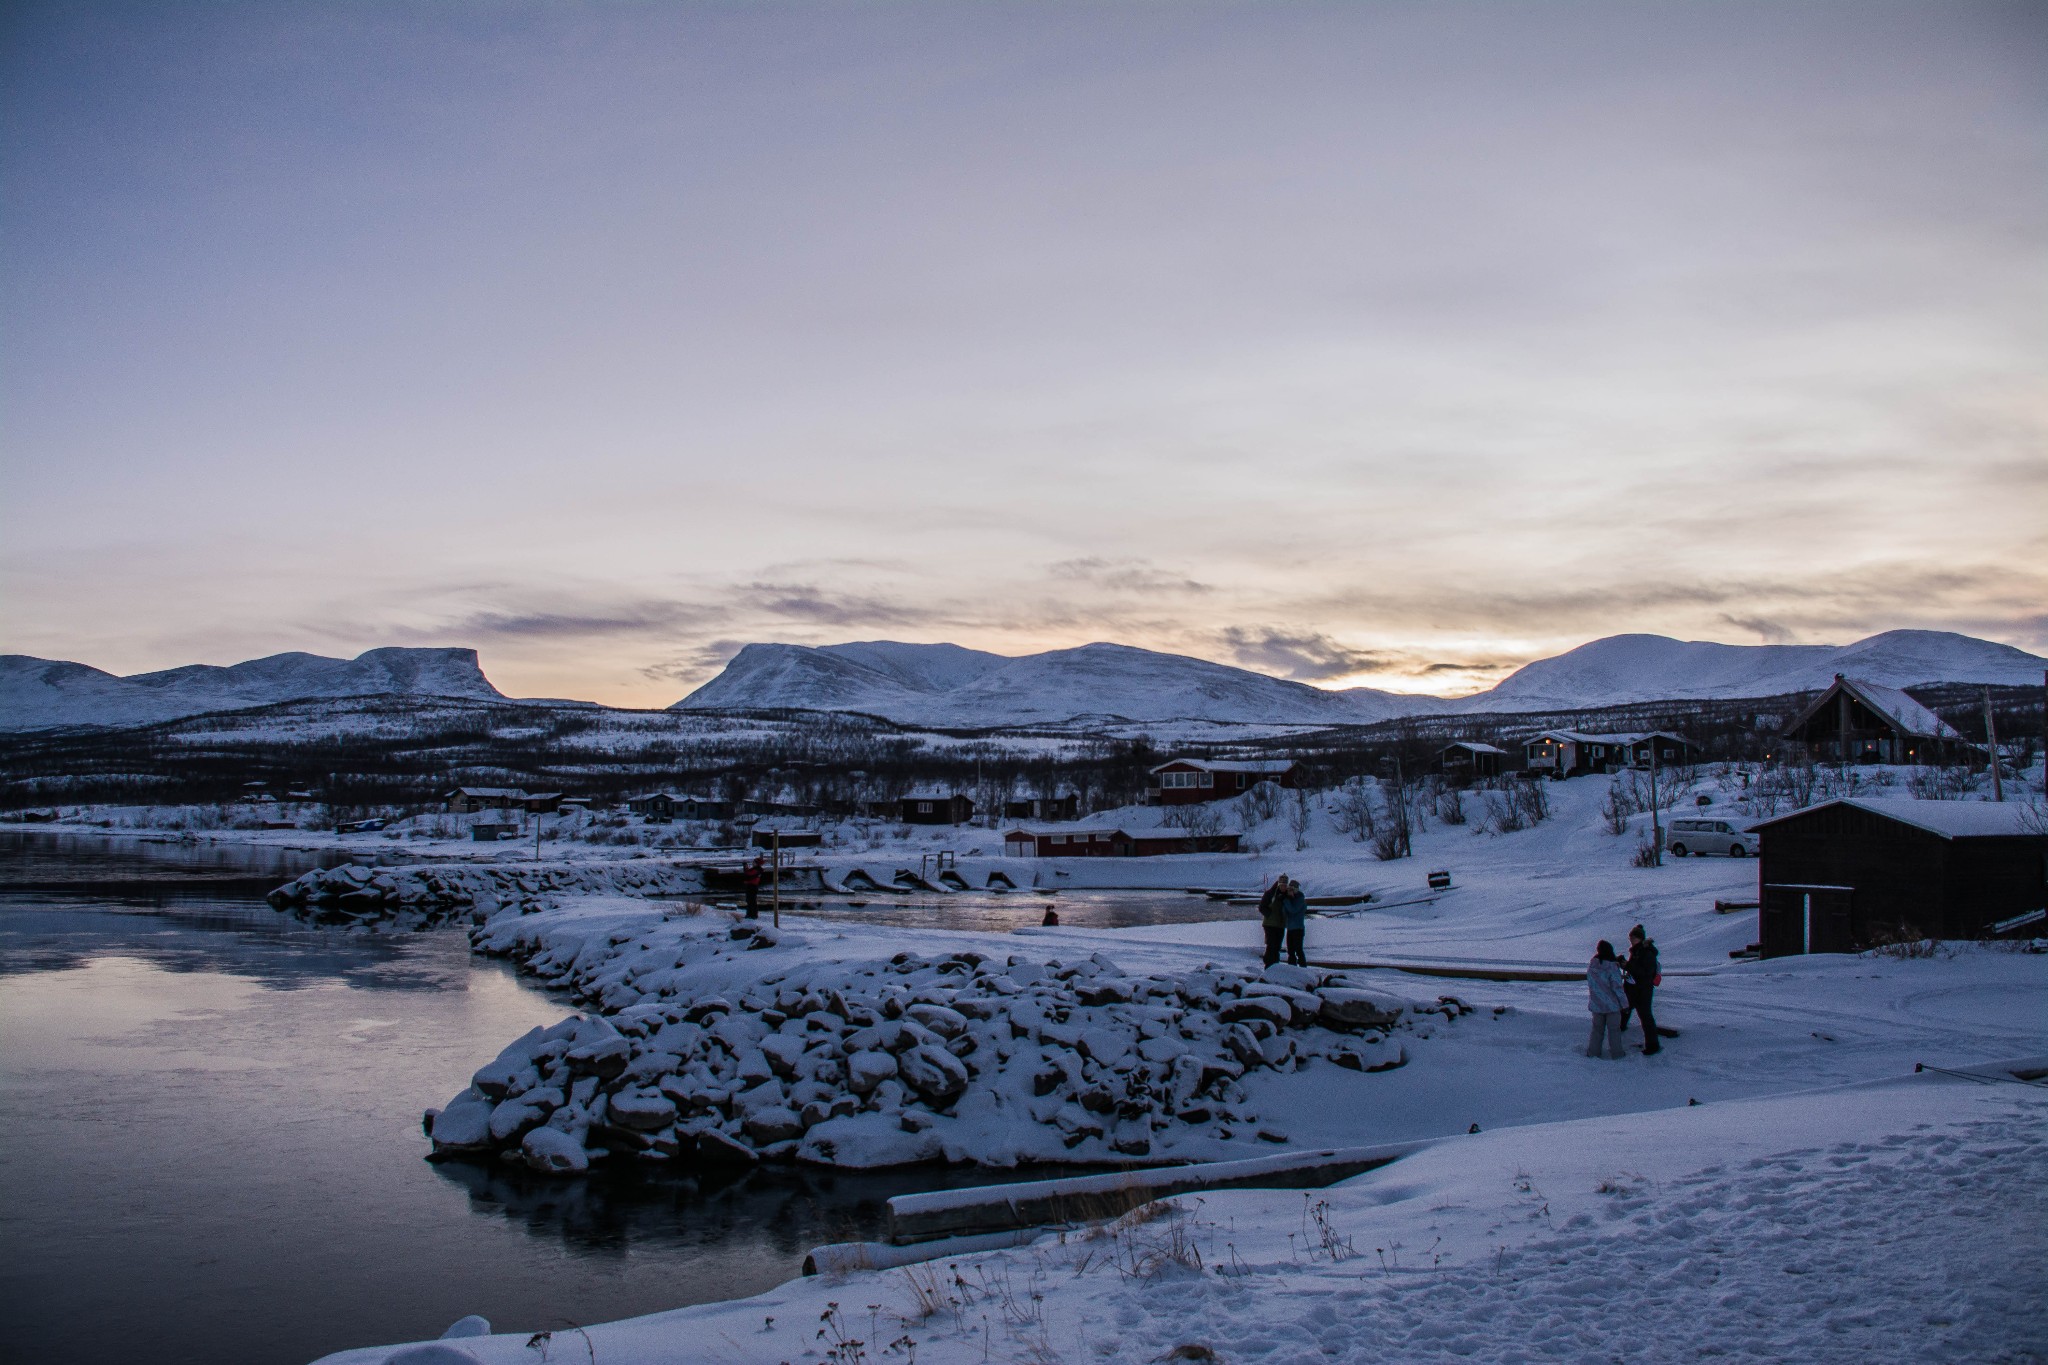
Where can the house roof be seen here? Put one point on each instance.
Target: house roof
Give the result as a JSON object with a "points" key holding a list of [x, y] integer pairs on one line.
{"points": [[1024, 831], [1265, 765], [1623, 737], [1474, 746], [1949, 819], [931, 796], [489, 792], [1909, 715]]}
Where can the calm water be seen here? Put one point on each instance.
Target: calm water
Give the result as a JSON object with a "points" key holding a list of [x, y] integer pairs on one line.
{"points": [[210, 1145]]}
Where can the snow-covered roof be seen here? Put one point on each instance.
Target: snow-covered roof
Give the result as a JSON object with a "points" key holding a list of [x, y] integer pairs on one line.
{"points": [[1949, 819], [492, 792], [1263, 765], [1623, 737], [927, 796], [1078, 832], [1474, 746], [1910, 715]]}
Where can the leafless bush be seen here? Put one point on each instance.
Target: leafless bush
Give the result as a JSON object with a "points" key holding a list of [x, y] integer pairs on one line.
{"points": [[1450, 807], [1353, 810], [1200, 818], [1647, 854], [1300, 818], [1263, 800], [1504, 813], [1616, 808], [1391, 839]]}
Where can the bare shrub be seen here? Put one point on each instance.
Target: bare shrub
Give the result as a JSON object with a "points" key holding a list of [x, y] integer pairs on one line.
{"points": [[1450, 807], [1646, 855], [1353, 810], [1300, 819]]}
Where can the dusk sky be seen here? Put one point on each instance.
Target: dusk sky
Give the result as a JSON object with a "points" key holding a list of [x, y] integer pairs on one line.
{"points": [[1379, 343]]}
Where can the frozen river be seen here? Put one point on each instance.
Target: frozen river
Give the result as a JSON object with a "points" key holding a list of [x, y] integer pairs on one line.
{"points": [[209, 1134]]}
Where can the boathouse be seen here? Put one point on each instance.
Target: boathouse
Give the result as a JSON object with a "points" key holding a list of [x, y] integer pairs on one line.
{"points": [[1842, 875]]}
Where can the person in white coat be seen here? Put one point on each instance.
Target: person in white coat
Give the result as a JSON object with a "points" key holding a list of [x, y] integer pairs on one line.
{"points": [[1606, 998]]}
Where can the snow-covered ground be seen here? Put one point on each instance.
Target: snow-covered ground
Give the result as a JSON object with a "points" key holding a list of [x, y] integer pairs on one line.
{"points": [[1819, 1202], [1895, 1221]]}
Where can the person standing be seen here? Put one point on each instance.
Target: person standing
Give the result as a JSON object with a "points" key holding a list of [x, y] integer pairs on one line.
{"points": [[750, 881], [1272, 918], [1642, 984], [1606, 996], [1295, 910]]}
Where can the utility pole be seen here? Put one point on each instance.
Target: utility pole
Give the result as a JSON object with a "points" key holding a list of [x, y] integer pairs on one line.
{"points": [[1656, 816], [538, 816], [1991, 743], [775, 898]]}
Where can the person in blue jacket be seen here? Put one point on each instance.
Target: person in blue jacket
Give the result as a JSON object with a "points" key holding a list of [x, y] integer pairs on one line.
{"points": [[1606, 998], [1294, 907]]}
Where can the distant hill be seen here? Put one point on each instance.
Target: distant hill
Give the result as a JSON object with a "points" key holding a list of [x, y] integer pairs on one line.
{"points": [[1639, 668], [42, 694], [945, 685]]}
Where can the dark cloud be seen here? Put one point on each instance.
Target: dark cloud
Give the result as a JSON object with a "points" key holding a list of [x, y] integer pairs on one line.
{"points": [[1768, 631], [804, 602], [693, 664], [1302, 657], [637, 619], [1125, 575]]}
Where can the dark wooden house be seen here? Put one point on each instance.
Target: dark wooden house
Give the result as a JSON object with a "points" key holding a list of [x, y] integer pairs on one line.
{"points": [[679, 806], [1468, 758], [1861, 722], [1186, 781], [1066, 806], [934, 808], [1842, 875], [1568, 753], [470, 800]]}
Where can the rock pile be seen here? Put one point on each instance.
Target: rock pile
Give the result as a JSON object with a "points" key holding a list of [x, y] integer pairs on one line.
{"points": [[441, 891], [958, 1058]]}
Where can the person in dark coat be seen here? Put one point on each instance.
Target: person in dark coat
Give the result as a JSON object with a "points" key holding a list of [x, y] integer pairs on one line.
{"points": [[750, 881], [1641, 970], [1272, 919], [1294, 907]]}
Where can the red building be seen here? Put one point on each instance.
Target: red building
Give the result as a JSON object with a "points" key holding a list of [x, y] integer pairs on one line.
{"points": [[1113, 843], [1185, 781]]}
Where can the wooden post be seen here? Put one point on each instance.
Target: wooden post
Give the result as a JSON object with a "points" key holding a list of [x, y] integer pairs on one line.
{"points": [[776, 900], [1991, 743], [538, 816], [1841, 727]]}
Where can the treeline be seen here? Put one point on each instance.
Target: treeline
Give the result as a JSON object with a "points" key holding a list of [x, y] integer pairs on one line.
{"points": [[380, 753]]}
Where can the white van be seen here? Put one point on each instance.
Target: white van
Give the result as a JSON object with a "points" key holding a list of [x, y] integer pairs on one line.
{"points": [[1709, 836]]}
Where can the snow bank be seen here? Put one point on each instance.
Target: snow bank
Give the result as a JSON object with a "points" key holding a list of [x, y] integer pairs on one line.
{"points": [[717, 1041]]}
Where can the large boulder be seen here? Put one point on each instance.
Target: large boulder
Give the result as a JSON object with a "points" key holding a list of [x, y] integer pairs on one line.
{"points": [[465, 1125], [866, 1070], [933, 1073], [554, 1152], [778, 1123], [1274, 1009], [1348, 1007]]}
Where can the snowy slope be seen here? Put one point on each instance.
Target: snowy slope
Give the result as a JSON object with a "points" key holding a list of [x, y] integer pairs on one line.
{"points": [[947, 685], [37, 694], [1632, 668]]}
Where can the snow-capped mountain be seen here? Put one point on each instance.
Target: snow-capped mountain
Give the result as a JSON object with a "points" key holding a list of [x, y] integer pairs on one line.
{"points": [[945, 685], [41, 694], [1635, 668], [951, 686]]}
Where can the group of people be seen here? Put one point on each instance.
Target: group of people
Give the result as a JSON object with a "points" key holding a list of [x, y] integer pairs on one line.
{"points": [[1283, 911], [1617, 987]]}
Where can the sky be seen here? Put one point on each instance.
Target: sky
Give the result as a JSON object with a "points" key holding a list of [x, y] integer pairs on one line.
{"points": [[1386, 344]]}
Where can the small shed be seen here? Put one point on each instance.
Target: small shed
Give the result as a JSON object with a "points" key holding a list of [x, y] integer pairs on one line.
{"points": [[934, 808], [1470, 758], [1861, 722], [1842, 875], [1186, 781]]}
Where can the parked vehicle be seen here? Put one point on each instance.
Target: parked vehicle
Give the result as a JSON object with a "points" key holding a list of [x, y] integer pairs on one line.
{"points": [[1709, 836]]}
